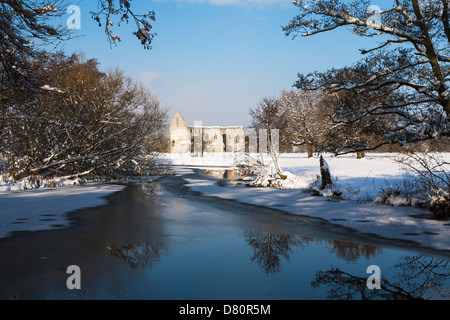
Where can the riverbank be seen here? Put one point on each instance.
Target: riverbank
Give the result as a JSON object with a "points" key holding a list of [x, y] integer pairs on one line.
{"points": [[47, 209], [361, 180], [391, 222]]}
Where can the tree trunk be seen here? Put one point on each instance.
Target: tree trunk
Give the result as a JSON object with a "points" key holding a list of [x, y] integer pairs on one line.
{"points": [[325, 173], [310, 149], [275, 161]]}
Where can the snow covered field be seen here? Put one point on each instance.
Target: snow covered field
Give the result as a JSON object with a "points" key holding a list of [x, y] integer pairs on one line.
{"points": [[360, 180]]}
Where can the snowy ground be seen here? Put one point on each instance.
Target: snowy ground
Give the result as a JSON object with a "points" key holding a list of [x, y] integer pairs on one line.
{"points": [[44, 209], [8, 184], [361, 181], [358, 179]]}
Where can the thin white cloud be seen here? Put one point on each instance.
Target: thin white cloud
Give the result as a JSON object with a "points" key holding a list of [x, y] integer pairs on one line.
{"points": [[150, 77]]}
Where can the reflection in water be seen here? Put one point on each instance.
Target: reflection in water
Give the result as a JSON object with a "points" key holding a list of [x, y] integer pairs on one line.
{"points": [[227, 177], [270, 248], [351, 251], [223, 174], [152, 189], [418, 276], [419, 273], [179, 245], [139, 256]]}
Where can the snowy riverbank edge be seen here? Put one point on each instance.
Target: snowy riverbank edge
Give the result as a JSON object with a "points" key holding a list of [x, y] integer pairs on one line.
{"points": [[391, 222], [403, 223], [47, 208]]}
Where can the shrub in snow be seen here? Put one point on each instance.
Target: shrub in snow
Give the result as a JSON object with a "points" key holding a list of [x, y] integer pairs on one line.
{"points": [[402, 194], [440, 204], [289, 181], [432, 179], [286, 181], [263, 179], [266, 178], [256, 173], [331, 190], [36, 182], [400, 200]]}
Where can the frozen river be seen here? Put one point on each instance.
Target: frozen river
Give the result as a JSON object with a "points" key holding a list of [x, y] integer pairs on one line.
{"points": [[181, 245]]}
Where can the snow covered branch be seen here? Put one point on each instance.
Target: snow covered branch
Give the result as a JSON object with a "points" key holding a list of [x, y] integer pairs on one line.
{"points": [[88, 123], [414, 29]]}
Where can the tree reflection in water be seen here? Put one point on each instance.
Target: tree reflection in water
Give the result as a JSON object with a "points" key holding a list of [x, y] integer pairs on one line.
{"points": [[351, 251], [138, 256], [270, 248], [417, 276]]}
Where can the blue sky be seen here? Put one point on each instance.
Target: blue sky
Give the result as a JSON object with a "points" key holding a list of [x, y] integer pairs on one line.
{"points": [[213, 60]]}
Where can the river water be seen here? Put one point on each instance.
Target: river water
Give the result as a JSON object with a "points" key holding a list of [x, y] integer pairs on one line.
{"points": [[181, 245]]}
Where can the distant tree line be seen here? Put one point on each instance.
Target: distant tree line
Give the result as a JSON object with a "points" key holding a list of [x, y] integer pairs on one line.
{"points": [[396, 95], [307, 122]]}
